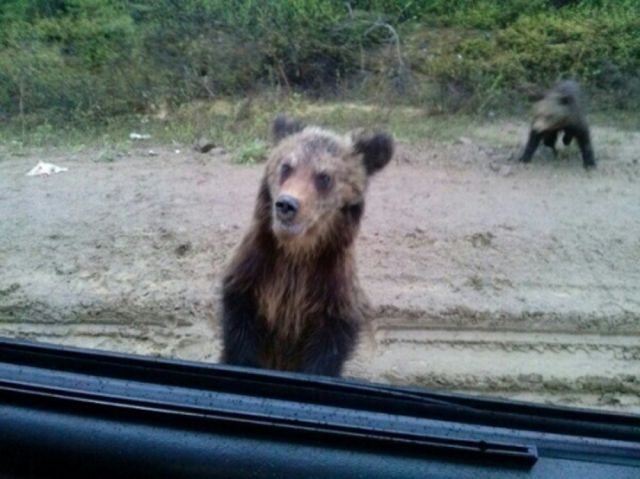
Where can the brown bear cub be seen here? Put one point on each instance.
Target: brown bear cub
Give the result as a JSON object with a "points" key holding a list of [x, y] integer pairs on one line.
{"points": [[290, 298], [560, 110]]}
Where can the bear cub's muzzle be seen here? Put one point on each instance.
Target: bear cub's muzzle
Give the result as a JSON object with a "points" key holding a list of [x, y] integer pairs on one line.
{"points": [[287, 208]]}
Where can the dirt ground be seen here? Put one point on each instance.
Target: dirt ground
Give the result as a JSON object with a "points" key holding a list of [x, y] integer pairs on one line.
{"points": [[487, 276]]}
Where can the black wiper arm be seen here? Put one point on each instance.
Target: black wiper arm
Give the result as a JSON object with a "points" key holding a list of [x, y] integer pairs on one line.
{"points": [[141, 405], [412, 402]]}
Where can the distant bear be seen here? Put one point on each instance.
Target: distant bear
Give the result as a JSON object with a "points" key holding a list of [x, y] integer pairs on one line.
{"points": [[561, 109], [290, 297]]}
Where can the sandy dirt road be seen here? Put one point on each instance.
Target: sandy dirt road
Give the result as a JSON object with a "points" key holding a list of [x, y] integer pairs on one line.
{"points": [[486, 276]]}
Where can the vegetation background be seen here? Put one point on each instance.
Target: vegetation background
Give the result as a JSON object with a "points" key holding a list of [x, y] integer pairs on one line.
{"points": [[79, 64]]}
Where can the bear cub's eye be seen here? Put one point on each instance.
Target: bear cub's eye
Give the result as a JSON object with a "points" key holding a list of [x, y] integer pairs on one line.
{"points": [[285, 171], [323, 181]]}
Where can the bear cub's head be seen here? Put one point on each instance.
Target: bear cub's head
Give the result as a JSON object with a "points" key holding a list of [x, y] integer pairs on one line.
{"points": [[316, 180], [560, 107]]}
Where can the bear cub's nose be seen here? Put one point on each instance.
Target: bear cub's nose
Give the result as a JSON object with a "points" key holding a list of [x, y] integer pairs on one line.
{"points": [[287, 207]]}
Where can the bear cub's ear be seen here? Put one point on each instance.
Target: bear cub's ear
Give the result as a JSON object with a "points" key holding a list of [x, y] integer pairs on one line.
{"points": [[284, 126], [376, 150]]}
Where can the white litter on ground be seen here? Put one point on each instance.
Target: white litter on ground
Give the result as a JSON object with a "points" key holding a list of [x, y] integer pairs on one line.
{"points": [[139, 136], [46, 169]]}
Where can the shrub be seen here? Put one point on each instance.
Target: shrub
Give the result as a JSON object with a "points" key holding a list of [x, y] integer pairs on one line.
{"points": [[92, 59], [600, 46]]}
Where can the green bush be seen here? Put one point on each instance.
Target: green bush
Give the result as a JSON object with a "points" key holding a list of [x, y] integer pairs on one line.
{"points": [[82, 60], [67, 57], [600, 46]]}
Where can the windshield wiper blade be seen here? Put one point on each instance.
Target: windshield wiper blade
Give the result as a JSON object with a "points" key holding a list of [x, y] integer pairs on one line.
{"points": [[334, 392], [140, 405]]}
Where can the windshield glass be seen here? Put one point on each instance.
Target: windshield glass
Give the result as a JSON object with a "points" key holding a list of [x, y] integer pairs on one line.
{"points": [[443, 194]]}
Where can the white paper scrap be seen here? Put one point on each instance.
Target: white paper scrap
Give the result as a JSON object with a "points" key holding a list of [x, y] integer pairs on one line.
{"points": [[46, 169]]}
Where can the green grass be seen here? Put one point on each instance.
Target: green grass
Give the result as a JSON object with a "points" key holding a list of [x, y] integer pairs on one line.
{"points": [[237, 125], [251, 153], [242, 126]]}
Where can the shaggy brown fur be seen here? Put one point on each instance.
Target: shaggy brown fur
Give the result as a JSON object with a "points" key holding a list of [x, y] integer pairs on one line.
{"points": [[560, 110], [291, 298]]}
